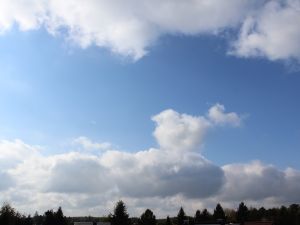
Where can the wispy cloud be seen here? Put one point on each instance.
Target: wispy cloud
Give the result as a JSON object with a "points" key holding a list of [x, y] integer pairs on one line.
{"points": [[88, 144]]}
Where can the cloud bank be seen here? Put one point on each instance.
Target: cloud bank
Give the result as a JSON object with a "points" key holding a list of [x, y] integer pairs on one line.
{"points": [[163, 178], [263, 28]]}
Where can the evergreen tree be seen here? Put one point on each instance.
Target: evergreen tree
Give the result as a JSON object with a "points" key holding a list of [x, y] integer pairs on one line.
{"points": [[38, 219], [181, 216], [242, 213], [148, 218], [283, 215], [219, 212], [205, 215], [253, 214], [198, 216], [27, 220], [60, 218], [49, 218], [168, 221], [120, 216], [262, 213], [294, 214]]}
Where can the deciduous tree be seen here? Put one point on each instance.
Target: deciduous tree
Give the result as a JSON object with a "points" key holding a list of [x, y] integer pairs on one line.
{"points": [[148, 218]]}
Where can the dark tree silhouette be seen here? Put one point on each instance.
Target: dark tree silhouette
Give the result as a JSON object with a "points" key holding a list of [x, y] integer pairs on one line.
{"points": [[197, 217], [262, 212], [26, 220], [219, 212], [60, 218], [181, 216], [148, 218], [120, 216], [253, 214], [205, 215], [8, 215], [38, 219], [49, 218], [242, 213], [294, 214], [278, 216], [168, 221], [283, 215]]}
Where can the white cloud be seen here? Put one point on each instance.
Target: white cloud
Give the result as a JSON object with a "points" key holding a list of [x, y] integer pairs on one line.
{"points": [[77, 173], [272, 32], [179, 132], [14, 152], [218, 116], [257, 181], [164, 178], [6, 181], [155, 173], [182, 132], [26, 14], [88, 144], [249, 181], [129, 28]]}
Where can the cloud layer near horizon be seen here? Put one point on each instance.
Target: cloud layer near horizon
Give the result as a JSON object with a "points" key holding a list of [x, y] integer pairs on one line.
{"points": [[92, 179], [262, 28]]}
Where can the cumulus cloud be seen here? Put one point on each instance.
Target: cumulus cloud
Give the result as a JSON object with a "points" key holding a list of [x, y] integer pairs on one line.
{"points": [[266, 28], [14, 152], [182, 132], [218, 116], [88, 144], [249, 181], [77, 173], [6, 181], [163, 178], [273, 32], [256, 181], [26, 14], [127, 28], [176, 131], [158, 173]]}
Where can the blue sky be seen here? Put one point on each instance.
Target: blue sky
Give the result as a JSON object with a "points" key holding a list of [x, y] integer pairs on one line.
{"points": [[65, 91], [52, 92]]}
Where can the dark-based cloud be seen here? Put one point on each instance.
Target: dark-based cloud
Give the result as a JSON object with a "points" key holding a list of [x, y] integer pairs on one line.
{"points": [[173, 174]]}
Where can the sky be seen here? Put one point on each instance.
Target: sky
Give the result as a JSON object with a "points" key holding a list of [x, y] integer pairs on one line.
{"points": [[159, 103]]}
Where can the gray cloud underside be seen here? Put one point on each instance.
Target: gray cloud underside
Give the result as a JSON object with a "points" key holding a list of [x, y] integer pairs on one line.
{"points": [[265, 28], [176, 173]]}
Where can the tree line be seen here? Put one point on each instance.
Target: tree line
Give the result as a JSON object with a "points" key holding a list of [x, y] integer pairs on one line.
{"points": [[279, 216], [9, 216]]}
